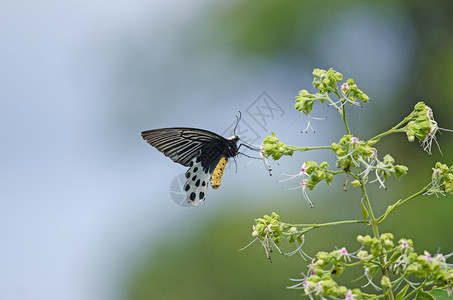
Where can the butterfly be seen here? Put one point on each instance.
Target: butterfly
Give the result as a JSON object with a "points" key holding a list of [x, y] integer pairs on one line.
{"points": [[204, 152]]}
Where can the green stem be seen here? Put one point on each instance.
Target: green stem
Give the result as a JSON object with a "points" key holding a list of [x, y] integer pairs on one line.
{"points": [[373, 221], [377, 137], [326, 224], [400, 202], [394, 129], [334, 172], [302, 149], [394, 285], [353, 264], [421, 286], [310, 227], [343, 109], [343, 114], [333, 103], [374, 226]]}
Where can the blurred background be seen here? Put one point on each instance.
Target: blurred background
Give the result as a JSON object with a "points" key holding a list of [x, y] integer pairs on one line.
{"points": [[85, 205]]}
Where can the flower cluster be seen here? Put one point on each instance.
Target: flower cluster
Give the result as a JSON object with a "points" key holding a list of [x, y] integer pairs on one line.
{"points": [[405, 262], [305, 101], [352, 92], [423, 126], [274, 148], [349, 149], [319, 280], [441, 180], [353, 153], [326, 81], [325, 286], [420, 122], [270, 232], [392, 268], [269, 227], [312, 174]]}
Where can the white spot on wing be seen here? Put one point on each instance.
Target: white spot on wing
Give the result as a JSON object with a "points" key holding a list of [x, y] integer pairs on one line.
{"points": [[194, 188]]}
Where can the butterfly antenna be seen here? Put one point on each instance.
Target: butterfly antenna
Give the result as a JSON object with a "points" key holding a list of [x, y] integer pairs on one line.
{"points": [[238, 118]]}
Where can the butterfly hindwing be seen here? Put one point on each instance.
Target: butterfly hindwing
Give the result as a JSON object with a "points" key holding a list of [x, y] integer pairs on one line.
{"points": [[197, 180], [204, 152]]}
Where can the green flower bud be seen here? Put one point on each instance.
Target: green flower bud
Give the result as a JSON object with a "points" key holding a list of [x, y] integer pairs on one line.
{"points": [[385, 282], [400, 170], [375, 248], [360, 239], [386, 236], [363, 256], [326, 81], [319, 263], [356, 183], [355, 92], [366, 240], [323, 255], [357, 293], [388, 244], [259, 227], [337, 269], [388, 159], [416, 269], [341, 291], [275, 216], [329, 178], [420, 123], [329, 286]]}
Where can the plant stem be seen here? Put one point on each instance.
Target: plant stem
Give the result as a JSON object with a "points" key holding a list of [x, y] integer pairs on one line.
{"points": [[373, 221], [341, 109], [400, 202], [374, 226], [302, 149], [343, 114], [421, 286], [333, 103], [394, 129], [327, 224]]}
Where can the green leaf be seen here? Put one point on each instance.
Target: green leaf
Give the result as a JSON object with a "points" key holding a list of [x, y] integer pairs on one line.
{"points": [[401, 294], [439, 294], [364, 211], [424, 296]]}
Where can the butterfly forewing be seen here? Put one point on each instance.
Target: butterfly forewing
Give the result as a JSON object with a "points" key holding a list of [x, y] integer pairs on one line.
{"points": [[183, 144]]}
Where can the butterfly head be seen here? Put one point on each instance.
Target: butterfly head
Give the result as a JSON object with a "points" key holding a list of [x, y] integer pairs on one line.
{"points": [[234, 138]]}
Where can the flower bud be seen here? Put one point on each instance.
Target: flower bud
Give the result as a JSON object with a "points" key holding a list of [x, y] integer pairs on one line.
{"points": [[363, 256], [385, 282]]}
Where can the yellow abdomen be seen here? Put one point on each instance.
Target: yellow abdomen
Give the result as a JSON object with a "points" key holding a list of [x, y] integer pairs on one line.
{"points": [[217, 175]]}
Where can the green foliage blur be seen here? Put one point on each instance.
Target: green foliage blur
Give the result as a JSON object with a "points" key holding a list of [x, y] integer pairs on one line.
{"points": [[202, 262]]}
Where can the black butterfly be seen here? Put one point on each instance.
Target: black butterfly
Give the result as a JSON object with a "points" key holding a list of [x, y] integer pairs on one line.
{"points": [[204, 152]]}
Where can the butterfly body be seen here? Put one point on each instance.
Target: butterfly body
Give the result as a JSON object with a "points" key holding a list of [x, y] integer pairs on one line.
{"points": [[218, 171], [204, 152]]}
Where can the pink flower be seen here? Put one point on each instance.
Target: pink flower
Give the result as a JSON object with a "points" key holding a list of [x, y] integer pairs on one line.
{"points": [[354, 141], [349, 295], [345, 87]]}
